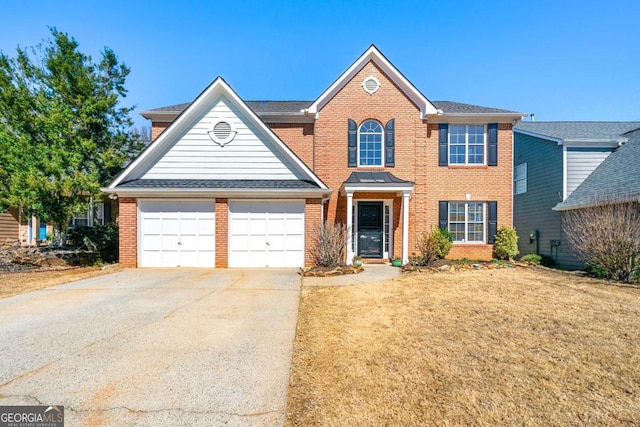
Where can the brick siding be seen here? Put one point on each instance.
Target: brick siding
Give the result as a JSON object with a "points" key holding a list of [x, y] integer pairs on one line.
{"points": [[128, 231], [222, 233]]}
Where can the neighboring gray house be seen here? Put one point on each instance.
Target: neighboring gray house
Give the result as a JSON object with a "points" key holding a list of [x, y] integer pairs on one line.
{"points": [[566, 165]]}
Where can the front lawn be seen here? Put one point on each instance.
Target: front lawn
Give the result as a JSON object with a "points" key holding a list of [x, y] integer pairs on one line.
{"points": [[19, 283], [511, 346]]}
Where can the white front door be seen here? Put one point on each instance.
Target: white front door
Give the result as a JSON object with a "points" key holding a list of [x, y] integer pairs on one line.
{"points": [[266, 233], [177, 233]]}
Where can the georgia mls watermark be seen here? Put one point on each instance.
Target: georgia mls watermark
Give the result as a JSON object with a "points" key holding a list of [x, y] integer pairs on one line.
{"points": [[31, 416]]}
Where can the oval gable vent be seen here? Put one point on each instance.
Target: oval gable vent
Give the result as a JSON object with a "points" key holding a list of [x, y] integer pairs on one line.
{"points": [[371, 85]]}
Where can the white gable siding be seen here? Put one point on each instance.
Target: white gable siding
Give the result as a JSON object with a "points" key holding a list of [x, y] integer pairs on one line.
{"points": [[250, 155], [580, 163]]}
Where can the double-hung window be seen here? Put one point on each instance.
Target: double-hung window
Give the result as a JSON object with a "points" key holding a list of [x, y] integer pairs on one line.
{"points": [[466, 144], [520, 179], [467, 222], [370, 144], [84, 219]]}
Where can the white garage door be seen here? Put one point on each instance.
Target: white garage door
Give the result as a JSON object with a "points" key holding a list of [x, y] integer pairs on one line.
{"points": [[177, 233], [266, 234]]}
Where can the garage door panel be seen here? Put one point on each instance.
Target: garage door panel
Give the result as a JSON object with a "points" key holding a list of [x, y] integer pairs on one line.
{"points": [[206, 227], [170, 226], [258, 227], [188, 226], [277, 226], [177, 233], [295, 227], [266, 233], [257, 243]]}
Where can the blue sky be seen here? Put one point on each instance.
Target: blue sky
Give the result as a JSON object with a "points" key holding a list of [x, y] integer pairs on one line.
{"points": [[562, 60]]}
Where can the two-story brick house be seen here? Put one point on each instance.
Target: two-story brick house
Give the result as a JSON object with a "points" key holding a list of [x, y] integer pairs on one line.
{"points": [[233, 183]]}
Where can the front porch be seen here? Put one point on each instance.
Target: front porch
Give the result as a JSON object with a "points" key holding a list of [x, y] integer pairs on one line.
{"points": [[377, 204]]}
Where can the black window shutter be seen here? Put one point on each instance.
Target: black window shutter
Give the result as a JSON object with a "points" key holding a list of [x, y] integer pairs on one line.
{"points": [[493, 144], [353, 144], [107, 211], [492, 221], [443, 210], [443, 155], [389, 143]]}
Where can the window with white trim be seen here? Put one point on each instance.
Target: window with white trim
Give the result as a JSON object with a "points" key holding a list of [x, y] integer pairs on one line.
{"points": [[370, 144], [84, 219], [520, 179], [467, 144], [467, 222]]}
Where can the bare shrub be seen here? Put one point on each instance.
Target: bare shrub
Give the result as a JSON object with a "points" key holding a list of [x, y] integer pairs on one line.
{"points": [[434, 245], [607, 234], [328, 244]]}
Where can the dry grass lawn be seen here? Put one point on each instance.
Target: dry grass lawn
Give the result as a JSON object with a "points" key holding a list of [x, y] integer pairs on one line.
{"points": [[493, 347], [19, 283]]}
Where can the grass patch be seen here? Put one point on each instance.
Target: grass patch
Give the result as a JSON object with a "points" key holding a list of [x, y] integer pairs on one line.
{"points": [[487, 347], [19, 283]]}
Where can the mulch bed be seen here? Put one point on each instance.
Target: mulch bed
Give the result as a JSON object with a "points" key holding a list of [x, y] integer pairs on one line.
{"points": [[330, 271]]}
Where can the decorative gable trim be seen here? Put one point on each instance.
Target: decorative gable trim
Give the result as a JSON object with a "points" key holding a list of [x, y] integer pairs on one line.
{"points": [[373, 54], [217, 88]]}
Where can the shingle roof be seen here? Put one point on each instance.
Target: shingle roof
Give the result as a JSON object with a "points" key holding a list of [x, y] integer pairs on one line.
{"points": [[289, 107], [219, 184], [580, 130], [374, 178], [459, 107], [617, 176], [257, 106]]}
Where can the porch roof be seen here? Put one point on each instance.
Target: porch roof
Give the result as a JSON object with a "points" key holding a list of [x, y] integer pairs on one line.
{"points": [[375, 181]]}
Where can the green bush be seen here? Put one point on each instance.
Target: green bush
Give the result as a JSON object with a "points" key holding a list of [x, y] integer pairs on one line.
{"points": [[434, 245], [506, 243], [595, 269], [101, 238], [532, 259]]}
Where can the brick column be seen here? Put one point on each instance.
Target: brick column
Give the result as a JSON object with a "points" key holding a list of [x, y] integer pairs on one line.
{"points": [[222, 233], [312, 217], [128, 231]]}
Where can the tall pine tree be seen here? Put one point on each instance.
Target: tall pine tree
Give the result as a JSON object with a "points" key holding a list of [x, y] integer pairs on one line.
{"points": [[63, 130]]}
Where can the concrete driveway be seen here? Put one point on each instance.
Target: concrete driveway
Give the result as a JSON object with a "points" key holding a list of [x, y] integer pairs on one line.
{"points": [[154, 347]]}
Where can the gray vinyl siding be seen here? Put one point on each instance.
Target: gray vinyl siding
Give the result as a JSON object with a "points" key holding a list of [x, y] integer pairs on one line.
{"points": [[533, 209], [9, 225], [581, 162]]}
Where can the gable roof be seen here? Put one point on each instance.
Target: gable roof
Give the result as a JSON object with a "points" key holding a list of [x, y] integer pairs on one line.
{"points": [[217, 88], [373, 54], [574, 131], [617, 176]]}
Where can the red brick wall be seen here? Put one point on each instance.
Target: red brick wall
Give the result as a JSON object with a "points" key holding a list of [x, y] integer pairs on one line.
{"points": [[298, 137], [128, 230], [157, 128], [416, 159], [312, 217], [222, 233]]}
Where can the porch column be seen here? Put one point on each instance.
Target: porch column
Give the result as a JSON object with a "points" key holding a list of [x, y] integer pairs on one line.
{"points": [[405, 227], [350, 253]]}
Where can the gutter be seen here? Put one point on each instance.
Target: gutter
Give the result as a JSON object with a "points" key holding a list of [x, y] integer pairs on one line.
{"points": [[218, 192]]}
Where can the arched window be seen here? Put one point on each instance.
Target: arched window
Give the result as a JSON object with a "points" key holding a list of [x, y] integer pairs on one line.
{"points": [[370, 143]]}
